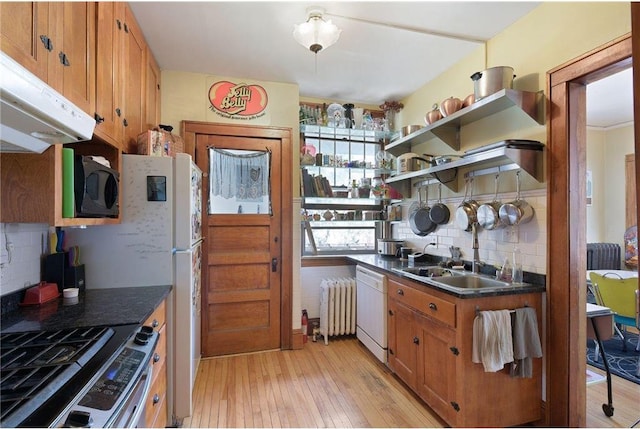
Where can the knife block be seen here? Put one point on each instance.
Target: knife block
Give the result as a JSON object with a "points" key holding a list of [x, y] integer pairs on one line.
{"points": [[57, 270]]}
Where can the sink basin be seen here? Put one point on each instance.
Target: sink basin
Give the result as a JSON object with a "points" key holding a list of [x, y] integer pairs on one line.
{"points": [[472, 282], [433, 271]]}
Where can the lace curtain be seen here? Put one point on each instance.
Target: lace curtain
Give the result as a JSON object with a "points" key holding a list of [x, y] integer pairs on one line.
{"points": [[243, 177]]}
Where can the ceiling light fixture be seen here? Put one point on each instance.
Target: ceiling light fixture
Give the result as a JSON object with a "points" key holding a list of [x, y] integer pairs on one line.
{"points": [[316, 34]]}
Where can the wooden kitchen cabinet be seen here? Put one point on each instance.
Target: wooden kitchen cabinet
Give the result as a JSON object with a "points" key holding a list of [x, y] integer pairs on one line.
{"points": [[153, 92], [31, 185], [430, 336], [56, 42], [122, 92], [156, 401]]}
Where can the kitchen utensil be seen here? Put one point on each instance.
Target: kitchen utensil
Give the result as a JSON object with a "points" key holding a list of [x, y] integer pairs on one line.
{"points": [[41, 293], [433, 115], [467, 211], [425, 224], [518, 211], [412, 214], [468, 100], [513, 143], [450, 106], [409, 129], [489, 213], [492, 80], [439, 213]]}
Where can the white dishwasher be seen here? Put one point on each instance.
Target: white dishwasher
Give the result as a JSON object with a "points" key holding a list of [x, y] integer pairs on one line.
{"points": [[371, 311]]}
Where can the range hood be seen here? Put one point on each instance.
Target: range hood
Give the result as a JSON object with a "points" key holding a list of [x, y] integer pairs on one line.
{"points": [[33, 115]]}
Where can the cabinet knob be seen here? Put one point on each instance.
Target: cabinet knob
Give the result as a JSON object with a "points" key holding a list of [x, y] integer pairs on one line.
{"points": [[433, 306], [455, 406], [155, 323], [156, 358], [99, 119], [390, 351], [156, 399], [390, 312], [454, 350], [400, 292], [125, 122], [416, 340]]}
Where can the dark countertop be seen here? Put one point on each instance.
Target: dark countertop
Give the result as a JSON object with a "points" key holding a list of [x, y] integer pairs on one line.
{"points": [[386, 264], [95, 307]]}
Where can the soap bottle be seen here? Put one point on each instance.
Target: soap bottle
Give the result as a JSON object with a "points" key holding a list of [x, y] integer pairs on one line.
{"points": [[506, 273]]}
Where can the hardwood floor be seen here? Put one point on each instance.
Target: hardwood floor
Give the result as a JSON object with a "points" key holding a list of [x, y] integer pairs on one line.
{"points": [[339, 385]]}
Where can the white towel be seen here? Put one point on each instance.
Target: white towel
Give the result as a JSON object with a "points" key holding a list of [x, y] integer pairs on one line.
{"points": [[492, 340], [526, 342]]}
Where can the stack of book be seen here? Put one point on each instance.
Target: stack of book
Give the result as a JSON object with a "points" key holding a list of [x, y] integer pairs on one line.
{"points": [[315, 185]]}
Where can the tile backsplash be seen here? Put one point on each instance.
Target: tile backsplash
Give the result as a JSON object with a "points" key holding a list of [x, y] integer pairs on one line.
{"points": [[22, 246]]}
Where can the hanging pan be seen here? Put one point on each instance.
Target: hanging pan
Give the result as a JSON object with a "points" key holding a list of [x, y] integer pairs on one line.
{"points": [[412, 215], [489, 213], [516, 212], [467, 211], [439, 213]]}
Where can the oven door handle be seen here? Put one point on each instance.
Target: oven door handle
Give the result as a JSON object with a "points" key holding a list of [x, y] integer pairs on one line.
{"points": [[135, 417]]}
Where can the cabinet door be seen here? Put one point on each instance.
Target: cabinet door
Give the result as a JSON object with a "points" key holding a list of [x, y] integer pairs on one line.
{"points": [[402, 343], [153, 92], [23, 27], [109, 34], [134, 70], [436, 367], [72, 66]]}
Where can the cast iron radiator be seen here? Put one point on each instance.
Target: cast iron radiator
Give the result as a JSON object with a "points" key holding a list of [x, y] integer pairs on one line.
{"points": [[603, 256], [337, 307]]}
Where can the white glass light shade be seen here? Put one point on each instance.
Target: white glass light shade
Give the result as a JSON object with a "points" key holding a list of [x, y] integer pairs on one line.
{"points": [[316, 33]]}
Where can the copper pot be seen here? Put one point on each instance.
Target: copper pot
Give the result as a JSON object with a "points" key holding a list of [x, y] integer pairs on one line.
{"points": [[450, 106], [433, 115]]}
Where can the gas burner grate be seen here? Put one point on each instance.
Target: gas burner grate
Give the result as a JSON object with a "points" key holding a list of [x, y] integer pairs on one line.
{"points": [[36, 364]]}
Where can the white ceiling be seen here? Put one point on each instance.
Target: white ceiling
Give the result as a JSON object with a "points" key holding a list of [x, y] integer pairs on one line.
{"points": [[387, 49], [610, 100]]}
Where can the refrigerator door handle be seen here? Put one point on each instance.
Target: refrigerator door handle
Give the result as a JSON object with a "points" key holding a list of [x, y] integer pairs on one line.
{"points": [[274, 265]]}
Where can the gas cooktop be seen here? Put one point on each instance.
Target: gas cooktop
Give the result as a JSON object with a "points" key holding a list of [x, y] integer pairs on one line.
{"points": [[38, 366]]}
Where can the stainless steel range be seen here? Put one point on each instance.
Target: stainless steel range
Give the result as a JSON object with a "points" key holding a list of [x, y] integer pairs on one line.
{"points": [[90, 376]]}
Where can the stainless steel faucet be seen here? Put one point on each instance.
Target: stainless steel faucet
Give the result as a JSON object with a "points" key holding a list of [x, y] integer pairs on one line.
{"points": [[476, 263]]}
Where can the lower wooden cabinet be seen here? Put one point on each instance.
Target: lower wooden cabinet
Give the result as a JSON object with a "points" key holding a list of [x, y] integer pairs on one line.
{"points": [[156, 402], [430, 336]]}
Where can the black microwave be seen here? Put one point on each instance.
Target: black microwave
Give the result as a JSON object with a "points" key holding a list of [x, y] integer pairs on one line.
{"points": [[95, 188]]}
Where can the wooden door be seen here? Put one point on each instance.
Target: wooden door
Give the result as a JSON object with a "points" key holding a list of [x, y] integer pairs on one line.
{"points": [[153, 92], [246, 283]]}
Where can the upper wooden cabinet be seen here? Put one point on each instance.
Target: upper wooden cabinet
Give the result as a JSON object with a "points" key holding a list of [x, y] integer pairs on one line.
{"points": [[135, 87], [126, 69], [153, 92], [56, 42]]}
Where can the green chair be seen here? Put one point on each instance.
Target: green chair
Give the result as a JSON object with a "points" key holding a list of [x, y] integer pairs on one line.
{"points": [[620, 296]]}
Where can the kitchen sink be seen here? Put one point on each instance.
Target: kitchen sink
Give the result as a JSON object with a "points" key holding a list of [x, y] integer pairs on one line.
{"points": [[454, 280], [474, 282], [432, 271]]}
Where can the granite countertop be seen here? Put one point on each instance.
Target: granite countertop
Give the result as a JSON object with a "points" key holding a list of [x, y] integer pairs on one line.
{"points": [[95, 307], [386, 265]]}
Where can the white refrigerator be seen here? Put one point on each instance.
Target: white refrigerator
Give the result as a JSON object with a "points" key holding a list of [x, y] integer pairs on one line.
{"points": [[158, 242]]}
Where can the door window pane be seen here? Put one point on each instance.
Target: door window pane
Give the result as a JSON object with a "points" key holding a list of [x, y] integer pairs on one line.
{"points": [[239, 182]]}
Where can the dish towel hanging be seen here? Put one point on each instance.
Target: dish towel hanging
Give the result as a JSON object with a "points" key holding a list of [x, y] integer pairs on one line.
{"points": [[492, 340], [526, 342]]}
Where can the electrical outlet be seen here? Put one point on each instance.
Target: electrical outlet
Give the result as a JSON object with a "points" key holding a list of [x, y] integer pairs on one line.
{"points": [[510, 235]]}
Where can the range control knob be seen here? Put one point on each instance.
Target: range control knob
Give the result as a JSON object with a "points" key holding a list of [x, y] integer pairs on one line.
{"points": [[141, 338], [78, 419]]}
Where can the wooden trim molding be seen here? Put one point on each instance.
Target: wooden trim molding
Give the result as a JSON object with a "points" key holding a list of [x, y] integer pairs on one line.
{"points": [[566, 243], [325, 261]]}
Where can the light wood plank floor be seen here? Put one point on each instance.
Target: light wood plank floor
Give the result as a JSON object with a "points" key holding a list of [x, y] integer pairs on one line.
{"points": [[340, 385]]}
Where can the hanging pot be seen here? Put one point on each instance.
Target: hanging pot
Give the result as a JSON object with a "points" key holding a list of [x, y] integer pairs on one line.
{"points": [[491, 80], [419, 220], [439, 213], [467, 211], [518, 211], [489, 213]]}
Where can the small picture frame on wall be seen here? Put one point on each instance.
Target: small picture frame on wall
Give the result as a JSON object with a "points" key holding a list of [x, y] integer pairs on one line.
{"points": [[589, 188]]}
